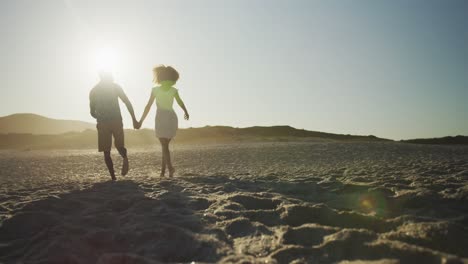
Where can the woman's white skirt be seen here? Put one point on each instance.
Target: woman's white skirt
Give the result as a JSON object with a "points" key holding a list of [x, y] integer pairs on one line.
{"points": [[166, 123]]}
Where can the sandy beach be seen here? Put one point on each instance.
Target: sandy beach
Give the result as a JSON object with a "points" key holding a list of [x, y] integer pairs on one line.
{"points": [[246, 203]]}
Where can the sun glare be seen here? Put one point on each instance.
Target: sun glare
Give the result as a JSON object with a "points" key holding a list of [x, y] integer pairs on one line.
{"points": [[106, 59]]}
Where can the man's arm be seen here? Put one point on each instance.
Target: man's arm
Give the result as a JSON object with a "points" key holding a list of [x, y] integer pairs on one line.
{"points": [[92, 104], [127, 103]]}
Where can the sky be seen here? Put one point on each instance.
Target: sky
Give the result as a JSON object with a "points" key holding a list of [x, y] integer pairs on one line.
{"points": [[396, 69]]}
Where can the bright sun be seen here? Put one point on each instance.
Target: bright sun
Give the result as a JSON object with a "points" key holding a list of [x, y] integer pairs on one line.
{"points": [[106, 59]]}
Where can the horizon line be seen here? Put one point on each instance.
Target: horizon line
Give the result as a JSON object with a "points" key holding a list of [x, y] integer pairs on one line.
{"points": [[235, 127]]}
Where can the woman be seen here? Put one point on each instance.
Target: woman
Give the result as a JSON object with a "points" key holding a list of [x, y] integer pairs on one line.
{"points": [[166, 119]]}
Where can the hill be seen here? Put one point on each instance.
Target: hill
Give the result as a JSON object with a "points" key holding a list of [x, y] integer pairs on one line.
{"points": [[40, 125], [457, 140], [146, 137], [267, 133]]}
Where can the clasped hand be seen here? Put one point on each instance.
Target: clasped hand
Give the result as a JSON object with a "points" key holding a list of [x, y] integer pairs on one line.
{"points": [[136, 124]]}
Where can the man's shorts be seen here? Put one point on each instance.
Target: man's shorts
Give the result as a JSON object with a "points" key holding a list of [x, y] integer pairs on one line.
{"points": [[105, 132]]}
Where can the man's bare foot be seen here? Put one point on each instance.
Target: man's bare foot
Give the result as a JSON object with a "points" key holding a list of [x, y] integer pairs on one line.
{"points": [[113, 177], [171, 171], [125, 166]]}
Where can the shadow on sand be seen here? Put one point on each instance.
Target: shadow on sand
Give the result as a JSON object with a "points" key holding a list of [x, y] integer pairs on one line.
{"points": [[228, 220], [111, 222]]}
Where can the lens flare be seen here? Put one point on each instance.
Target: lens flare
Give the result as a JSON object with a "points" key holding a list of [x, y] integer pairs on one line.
{"points": [[373, 203]]}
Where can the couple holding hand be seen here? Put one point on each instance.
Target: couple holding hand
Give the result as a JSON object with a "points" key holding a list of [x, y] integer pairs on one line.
{"points": [[104, 107]]}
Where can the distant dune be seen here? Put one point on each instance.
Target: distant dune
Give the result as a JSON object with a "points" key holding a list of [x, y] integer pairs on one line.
{"points": [[27, 131], [146, 138], [31, 131], [457, 140], [40, 125]]}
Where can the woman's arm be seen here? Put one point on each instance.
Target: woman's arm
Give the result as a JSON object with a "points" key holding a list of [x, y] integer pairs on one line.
{"points": [[147, 109], [182, 105]]}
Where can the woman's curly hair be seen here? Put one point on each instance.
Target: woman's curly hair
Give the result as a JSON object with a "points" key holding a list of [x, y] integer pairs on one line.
{"points": [[165, 73]]}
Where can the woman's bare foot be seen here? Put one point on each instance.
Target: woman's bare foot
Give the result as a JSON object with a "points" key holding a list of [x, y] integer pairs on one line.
{"points": [[171, 171]]}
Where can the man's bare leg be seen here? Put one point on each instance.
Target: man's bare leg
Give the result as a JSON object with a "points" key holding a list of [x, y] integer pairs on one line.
{"points": [[125, 166], [109, 164]]}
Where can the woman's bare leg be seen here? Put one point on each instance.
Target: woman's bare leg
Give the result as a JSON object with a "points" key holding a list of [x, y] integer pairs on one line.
{"points": [[163, 166], [163, 157], [167, 155], [168, 159]]}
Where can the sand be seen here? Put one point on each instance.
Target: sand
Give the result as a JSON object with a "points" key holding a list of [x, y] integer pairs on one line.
{"points": [[246, 203]]}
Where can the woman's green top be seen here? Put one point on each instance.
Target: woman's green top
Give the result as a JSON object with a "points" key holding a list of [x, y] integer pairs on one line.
{"points": [[164, 95]]}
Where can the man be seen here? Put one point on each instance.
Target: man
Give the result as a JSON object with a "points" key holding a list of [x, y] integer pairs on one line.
{"points": [[104, 107]]}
